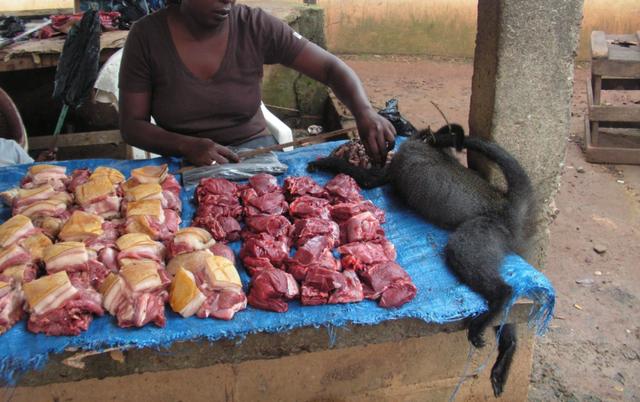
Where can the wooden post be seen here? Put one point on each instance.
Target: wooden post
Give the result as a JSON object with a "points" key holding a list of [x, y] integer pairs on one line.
{"points": [[76, 6]]}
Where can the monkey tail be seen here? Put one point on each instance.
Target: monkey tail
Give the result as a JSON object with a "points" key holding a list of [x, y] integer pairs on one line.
{"points": [[519, 189]]}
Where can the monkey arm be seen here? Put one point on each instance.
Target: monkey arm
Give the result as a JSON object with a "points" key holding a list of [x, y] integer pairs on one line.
{"points": [[366, 178]]}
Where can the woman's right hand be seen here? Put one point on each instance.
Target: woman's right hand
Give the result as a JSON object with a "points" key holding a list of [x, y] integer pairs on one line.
{"points": [[205, 152]]}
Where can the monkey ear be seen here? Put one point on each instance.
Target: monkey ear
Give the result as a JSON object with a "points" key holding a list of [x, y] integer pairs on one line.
{"points": [[454, 134]]}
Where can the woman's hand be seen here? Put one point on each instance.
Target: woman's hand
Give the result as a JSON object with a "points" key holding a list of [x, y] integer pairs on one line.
{"points": [[377, 135], [204, 152]]}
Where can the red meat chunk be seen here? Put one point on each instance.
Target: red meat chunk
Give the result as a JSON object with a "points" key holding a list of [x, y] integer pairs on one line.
{"points": [[309, 207], [323, 286], [343, 188], [358, 255], [295, 187], [266, 204], [389, 283], [271, 289], [265, 246], [264, 183], [216, 186], [362, 227], [276, 225], [316, 253], [343, 211], [305, 229]]}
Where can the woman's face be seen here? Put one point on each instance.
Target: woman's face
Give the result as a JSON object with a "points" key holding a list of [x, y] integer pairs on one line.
{"points": [[208, 13]]}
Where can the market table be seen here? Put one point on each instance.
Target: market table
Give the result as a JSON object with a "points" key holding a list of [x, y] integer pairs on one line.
{"points": [[333, 351]]}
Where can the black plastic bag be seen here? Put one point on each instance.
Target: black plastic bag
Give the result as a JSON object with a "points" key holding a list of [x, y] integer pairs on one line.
{"points": [[78, 65], [403, 127], [11, 27]]}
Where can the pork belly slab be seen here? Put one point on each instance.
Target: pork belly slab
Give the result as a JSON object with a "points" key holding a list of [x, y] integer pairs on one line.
{"points": [[136, 296], [205, 296], [57, 307], [11, 303], [80, 263]]}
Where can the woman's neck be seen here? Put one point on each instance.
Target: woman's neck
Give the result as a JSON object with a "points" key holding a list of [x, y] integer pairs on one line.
{"points": [[195, 28]]}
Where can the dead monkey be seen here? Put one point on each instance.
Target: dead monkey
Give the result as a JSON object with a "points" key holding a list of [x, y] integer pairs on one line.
{"points": [[486, 222]]}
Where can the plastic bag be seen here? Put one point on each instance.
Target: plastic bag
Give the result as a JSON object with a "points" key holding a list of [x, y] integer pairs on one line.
{"points": [[78, 66], [403, 127], [265, 163]]}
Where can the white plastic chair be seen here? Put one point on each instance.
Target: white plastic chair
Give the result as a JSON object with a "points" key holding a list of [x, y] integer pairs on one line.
{"points": [[107, 92]]}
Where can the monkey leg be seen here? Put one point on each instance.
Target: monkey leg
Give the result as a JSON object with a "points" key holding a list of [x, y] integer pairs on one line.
{"points": [[366, 178], [506, 349], [474, 253]]}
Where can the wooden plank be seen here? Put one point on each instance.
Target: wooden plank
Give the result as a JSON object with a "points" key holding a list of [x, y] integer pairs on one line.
{"points": [[621, 84], [77, 139], [620, 114], [638, 36], [599, 48], [597, 154], [618, 69], [597, 89]]}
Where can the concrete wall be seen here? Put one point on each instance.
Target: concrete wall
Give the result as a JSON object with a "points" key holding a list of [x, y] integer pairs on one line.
{"points": [[521, 92]]}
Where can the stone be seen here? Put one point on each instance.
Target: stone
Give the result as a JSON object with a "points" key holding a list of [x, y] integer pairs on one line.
{"points": [[600, 248]]}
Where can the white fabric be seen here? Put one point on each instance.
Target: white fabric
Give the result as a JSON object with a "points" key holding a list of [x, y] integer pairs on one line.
{"points": [[11, 153]]}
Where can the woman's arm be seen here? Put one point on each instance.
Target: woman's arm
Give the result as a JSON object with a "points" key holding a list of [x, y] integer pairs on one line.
{"points": [[138, 131], [376, 132]]}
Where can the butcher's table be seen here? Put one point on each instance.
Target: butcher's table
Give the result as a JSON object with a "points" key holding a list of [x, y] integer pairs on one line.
{"points": [[346, 352]]}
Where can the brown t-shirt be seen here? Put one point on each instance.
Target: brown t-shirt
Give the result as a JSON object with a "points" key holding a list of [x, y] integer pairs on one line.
{"points": [[226, 107]]}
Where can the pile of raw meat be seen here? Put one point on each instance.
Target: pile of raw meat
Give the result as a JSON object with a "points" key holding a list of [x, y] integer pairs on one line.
{"points": [[355, 153], [91, 242], [290, 236]]}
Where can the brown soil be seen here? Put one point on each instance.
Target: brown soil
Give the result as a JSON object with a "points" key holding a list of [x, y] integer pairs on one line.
{"points": [[592, 349]]}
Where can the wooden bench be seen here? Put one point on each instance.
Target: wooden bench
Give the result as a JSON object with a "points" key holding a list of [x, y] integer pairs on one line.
{"points": [[615, 65]]}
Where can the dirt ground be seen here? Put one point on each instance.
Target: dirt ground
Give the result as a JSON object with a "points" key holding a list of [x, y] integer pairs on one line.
{"points": [[592, 349]]}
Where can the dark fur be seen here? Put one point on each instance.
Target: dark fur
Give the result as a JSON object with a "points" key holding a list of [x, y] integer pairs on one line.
{"points": [[486, 222]]}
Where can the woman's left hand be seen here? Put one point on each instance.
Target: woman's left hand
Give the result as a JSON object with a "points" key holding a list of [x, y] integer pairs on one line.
{"points": [[377, 135]]}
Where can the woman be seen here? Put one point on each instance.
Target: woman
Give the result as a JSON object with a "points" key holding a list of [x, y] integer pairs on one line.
{"points": [[196, 66]]}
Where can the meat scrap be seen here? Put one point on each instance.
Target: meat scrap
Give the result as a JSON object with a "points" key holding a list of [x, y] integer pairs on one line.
{"points": [[136, 296], [58, 308], [270, 289]]}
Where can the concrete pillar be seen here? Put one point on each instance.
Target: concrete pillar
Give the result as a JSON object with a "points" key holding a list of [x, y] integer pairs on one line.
{"points": [[521, 92]]}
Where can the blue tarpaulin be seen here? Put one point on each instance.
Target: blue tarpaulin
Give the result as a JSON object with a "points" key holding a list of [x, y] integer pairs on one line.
{"points": [[440, 298]]}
